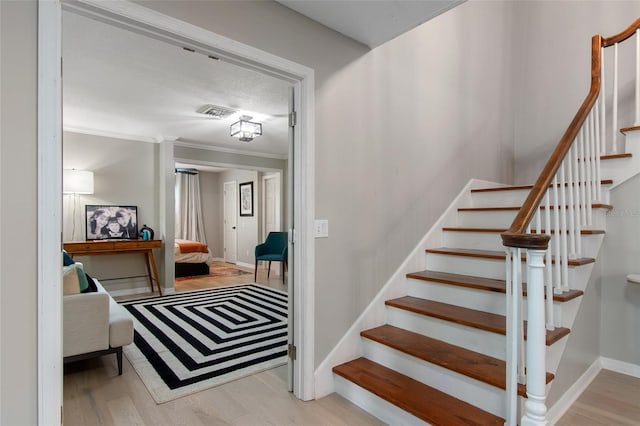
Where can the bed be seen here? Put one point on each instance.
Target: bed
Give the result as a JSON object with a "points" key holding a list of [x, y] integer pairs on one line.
{"points": [[191, 258]]}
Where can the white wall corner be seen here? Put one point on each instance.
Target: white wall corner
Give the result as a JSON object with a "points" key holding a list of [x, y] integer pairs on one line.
{"points": [[573, 393], [350, 346]]}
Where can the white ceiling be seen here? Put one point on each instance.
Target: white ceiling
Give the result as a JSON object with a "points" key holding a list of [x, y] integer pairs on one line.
{"points": [[371, 22], [121, 84]]}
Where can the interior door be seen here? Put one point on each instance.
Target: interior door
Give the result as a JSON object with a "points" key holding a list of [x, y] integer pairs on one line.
{"points": [[271, 191], [230, 222]]}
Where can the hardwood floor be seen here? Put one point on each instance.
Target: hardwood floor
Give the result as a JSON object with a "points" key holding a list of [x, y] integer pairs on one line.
{"points": [[611, 399], [95, 395]]}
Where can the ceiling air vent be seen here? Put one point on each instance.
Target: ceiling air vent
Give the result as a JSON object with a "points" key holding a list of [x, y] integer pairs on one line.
{"points": [[217, 112]]}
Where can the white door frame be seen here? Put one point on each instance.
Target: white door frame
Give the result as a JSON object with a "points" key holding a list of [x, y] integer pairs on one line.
{"points": [[168, 28], [265, 178], [233, 183]]}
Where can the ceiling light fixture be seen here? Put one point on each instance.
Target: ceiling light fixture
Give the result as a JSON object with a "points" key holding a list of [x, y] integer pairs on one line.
{"points": [[246, 130]]}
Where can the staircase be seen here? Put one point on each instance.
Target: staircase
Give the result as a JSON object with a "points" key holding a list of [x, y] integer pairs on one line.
{"points": [[441, 355], [452, 348]]}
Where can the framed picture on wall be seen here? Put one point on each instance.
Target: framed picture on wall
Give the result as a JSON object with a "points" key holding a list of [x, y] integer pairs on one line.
{"points": [[246, 199], [111, 222]]}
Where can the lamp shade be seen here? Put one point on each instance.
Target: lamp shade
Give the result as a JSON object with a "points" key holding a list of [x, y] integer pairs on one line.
{"points": [[77, 181]]}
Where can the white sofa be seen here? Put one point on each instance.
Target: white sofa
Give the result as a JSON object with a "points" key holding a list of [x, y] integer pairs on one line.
{"points": [[94, 325]]}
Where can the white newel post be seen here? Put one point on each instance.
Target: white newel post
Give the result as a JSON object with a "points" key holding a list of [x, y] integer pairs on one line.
{"points": [[535, 411]]}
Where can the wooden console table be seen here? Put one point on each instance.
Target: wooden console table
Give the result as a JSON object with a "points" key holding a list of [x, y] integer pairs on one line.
{"points": [[91, 248]]}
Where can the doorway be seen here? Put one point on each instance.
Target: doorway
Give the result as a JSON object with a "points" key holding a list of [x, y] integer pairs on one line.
{"points": [[49, 139], [230, 222]]}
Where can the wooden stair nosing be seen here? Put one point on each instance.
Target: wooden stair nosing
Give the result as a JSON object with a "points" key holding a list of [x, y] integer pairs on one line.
{"points": [[516, 208], [614, 156], [624, 130], [496, 255], [486, 321], [519, 187], [423, 401], [501, 230], [478, 366], [481, 283]]}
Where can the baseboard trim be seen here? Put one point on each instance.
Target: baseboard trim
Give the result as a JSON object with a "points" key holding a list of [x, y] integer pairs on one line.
{"points": [[620, 367], [573, 393]]}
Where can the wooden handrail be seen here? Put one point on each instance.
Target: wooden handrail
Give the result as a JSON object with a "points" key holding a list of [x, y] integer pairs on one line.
{"points": [[622, 35], [516, 235]]}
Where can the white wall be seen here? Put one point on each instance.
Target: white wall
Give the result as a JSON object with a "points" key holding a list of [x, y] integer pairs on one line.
{"points": [[212, 214], [247, 226], [125, 173], [399, 131], [552, 69], [18, 213]]}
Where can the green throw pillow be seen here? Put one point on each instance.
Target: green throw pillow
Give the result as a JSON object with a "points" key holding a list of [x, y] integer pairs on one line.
{"points": [[82, 278]]}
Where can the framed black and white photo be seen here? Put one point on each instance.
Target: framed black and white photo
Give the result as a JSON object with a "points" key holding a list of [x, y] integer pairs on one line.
{"points": [[246, 199], [111, 222]]}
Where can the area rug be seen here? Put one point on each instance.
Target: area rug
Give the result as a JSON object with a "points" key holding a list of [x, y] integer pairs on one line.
{"points": [[188, 342]]}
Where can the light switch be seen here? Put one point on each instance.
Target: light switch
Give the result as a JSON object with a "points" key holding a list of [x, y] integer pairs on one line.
{"points": [[322, 228]]}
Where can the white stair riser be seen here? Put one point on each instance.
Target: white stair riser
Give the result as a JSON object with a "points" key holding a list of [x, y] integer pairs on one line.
{"points": [[492, 241], [486, 219], [485, 342], [375, 405], [474, 392], [506, 198], [481, 341], [480, 300], [466, 265]]}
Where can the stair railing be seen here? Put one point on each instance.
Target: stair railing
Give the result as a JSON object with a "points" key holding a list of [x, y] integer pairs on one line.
{"points": [[559, 206]]}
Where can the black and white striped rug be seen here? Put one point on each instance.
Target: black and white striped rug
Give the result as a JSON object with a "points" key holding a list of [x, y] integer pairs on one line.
{"points": [[188, 342]]}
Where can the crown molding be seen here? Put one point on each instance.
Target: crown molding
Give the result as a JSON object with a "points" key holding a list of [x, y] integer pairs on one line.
{"points": [[108, 134], [229, 150]]}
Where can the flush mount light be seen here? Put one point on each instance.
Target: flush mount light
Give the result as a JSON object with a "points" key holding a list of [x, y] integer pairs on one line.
{"points": [[246, 130]]}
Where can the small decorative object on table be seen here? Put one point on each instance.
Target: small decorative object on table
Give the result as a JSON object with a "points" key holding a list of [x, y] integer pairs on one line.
{"points": [[146, 233]]}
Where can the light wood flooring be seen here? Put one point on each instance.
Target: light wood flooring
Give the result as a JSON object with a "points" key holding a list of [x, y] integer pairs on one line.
{"points": [[611, 399], [95, 395]]}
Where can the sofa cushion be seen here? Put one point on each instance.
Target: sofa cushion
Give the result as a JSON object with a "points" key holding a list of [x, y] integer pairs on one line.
{"points": [[70, 280]]}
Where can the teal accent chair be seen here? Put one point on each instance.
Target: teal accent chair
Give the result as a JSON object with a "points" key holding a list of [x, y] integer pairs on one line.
{"points": [[274, 249]]}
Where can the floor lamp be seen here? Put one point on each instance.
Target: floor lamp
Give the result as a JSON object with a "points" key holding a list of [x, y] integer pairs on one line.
{"points": [[76, 182]]}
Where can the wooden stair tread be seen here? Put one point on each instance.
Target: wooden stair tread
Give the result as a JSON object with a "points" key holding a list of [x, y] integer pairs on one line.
{"points": [[481, 283], [517, 208], [496, 254], [493, 323], [472, 364], [424, 402], [519, 187], [501, 230]]}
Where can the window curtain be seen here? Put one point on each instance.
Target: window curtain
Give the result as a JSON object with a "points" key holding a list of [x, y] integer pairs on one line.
{"points": [[189, 219]]}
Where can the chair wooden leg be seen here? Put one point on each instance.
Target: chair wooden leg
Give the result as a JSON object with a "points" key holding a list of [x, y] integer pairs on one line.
{"points": [[119, 359], [255, 273], [269, 270]]}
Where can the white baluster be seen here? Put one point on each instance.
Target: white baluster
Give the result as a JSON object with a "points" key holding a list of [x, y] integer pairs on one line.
{"points": [[535, 413], [578, 210], [583, 177], [512, 342], [603, 103], [594, 113], [571, 207], [548, 273], [614, 117], [561, 233], [557, 279], [637, 121], [587, 166]]}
